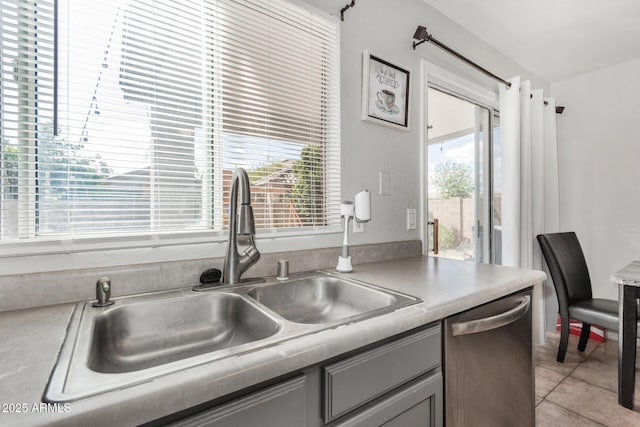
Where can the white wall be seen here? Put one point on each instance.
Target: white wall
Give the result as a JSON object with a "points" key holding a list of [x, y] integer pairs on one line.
{"points": [[598, 155], [385, 28]]}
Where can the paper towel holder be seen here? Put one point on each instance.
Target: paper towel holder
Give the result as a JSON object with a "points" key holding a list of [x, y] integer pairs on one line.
{"points": [[360, 211]]}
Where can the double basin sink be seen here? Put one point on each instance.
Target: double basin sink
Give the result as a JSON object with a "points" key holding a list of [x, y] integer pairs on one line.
{"points": [[144, 337]]}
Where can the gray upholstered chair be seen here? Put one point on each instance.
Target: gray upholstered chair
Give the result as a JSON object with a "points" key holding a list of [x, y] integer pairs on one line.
{"points": [[570, 275]]}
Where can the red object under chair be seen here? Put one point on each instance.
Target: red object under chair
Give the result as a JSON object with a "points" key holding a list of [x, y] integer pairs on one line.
{"points": [[575, 328]]}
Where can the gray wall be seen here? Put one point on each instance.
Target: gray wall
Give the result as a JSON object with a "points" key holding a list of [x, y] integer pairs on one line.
{"points": [[386, 28], [598, 152]]}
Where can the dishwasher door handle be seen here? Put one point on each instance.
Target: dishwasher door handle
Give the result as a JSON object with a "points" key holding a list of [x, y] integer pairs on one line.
{"points": [[493, 322]]}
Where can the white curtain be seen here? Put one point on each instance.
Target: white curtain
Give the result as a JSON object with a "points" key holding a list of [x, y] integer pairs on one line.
{"points": [[530, 203]]}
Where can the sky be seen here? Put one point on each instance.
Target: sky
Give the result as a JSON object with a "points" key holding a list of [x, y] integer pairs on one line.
{"points": [[461, 150]]}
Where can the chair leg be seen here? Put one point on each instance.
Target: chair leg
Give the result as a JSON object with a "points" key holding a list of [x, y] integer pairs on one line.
{"points": [[564, 339], [584, 336]]}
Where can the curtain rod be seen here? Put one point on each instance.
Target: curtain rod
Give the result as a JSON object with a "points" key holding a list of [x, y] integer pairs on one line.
{"points": [[345, 8], [423, 36], [559, 108]]}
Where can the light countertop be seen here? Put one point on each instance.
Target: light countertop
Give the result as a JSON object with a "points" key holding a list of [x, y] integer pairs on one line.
{"points": [[628, 275], [31, 340]]}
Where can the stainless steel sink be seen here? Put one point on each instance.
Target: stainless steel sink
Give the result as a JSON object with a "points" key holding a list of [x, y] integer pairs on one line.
{"points": [[140, 336], [324, 299], [144, 337]]}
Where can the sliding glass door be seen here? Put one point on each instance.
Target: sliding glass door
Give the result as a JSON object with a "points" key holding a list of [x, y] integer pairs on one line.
{"points": [[462, 207]]}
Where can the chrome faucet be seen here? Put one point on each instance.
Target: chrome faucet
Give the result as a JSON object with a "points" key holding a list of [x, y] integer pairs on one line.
{"points": [[243, 223]]}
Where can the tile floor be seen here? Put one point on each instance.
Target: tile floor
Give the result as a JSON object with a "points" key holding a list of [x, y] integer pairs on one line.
{"points": [[582, 391]]}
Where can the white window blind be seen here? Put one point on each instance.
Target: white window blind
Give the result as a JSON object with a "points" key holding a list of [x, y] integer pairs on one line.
{"points": [[158, 101]]}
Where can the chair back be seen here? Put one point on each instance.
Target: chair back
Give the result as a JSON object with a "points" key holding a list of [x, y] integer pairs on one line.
{"points": [[568, 268]]}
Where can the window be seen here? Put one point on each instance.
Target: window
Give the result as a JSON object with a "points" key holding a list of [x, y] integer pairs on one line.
{"points": [[462, 160], [459, 175], [133, 122]]}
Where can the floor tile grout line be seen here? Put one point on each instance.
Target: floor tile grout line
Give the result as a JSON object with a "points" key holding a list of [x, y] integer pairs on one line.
{"points": [[562, 373], [603, 389], [554, 387], [592, 354], [570, 410], [570, 374], [544, 398], [574, 412], [579, 362]]}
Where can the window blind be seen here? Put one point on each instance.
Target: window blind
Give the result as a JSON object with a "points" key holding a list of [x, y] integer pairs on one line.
{"points": [[26, 108], [158, 102]]}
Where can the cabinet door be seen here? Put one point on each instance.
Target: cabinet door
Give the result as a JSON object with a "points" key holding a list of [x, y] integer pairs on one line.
{"points": [[418, 404], [281, 405], [355, 381], [419, 415]]}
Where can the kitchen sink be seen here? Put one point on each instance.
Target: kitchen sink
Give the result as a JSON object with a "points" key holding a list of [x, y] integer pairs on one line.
{"points": [[140, 336], [324, 299], [143, 337]]}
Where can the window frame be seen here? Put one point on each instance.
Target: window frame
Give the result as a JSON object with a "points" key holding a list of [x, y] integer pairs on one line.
{"points": [[44, 253]]}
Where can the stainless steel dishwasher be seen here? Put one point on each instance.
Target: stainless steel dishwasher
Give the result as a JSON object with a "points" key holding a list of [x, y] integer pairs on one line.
{"points": [[488, 362]]}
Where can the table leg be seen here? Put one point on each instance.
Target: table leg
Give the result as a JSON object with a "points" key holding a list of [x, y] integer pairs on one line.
{"points": [[628, 313]]}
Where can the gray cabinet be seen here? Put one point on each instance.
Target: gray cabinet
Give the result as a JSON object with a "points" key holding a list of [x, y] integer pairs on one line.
{"points": [[418, 404], [397, 383], [358, 380], [280, 405], [421, 414]]}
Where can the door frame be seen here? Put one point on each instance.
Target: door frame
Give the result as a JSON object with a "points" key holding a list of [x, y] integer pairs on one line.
{"points": [[446, 81]]}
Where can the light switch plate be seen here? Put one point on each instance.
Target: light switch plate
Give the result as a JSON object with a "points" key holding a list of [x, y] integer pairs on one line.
{"points": [[411, 219], [358, 227], [385, 183]]}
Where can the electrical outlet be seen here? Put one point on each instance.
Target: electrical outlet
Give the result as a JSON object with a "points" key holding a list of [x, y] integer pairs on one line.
{"points": [[411, 219], [358, 227]]}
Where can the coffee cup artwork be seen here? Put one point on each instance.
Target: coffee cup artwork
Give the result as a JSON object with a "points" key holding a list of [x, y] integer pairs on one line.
{"points": [[386, 100], [385, 92]]}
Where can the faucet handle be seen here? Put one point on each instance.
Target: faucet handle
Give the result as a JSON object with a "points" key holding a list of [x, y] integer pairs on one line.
{"points": [[103, 292], [253, 255]]}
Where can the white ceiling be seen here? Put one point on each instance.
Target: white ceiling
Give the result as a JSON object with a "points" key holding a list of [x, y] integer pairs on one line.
{"points": [[555, 39]]}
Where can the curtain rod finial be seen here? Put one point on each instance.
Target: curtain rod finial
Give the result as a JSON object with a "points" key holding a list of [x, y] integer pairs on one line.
{"points": [[345, 8], [421, 33]]}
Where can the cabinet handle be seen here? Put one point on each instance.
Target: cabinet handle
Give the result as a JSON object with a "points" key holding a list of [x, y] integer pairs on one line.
{"points": [[493, 322]]}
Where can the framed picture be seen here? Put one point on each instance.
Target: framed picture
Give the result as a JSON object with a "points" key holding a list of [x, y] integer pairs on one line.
{"points": [[385, 92]]}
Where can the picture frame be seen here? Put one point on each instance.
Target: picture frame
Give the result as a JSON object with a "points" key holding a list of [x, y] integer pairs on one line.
{"points": [[386, 92]]}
